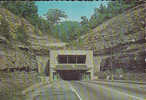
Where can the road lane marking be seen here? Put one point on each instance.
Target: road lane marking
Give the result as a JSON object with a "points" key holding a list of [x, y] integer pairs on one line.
{"points": [[111, 88], [74, 90], [134, 97]]}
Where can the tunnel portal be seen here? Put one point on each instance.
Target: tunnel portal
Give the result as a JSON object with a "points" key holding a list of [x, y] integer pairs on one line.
{"points": [[71, 65], [71, 75]]}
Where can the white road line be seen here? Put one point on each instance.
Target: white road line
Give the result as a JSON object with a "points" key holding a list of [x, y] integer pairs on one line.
{"points": [[132, 96], [129, 95], [74, 90]]}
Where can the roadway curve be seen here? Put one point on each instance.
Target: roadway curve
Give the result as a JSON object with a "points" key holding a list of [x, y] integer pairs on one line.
{"points": [[88, 90]]}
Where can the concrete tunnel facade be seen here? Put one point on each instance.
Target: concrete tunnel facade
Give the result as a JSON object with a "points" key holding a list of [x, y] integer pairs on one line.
{"points": [[69, 65]]}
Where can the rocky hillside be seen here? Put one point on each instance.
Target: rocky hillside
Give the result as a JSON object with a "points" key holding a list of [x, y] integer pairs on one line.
{"points": [[19, 41], [120, 40]]}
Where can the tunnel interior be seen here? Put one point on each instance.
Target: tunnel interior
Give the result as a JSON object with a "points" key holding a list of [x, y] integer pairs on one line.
{"points": [[70, 74]]}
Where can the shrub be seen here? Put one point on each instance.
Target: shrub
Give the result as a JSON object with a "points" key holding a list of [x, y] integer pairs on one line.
{"points": [[21, 34], [4, 28]]}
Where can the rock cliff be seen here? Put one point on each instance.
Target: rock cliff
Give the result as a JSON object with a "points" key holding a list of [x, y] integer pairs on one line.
{"points": [[120, 41], [20, 42]]}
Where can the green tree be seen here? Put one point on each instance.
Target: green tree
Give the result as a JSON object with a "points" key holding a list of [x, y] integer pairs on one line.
{"points": [[84, 25], [55, 15], [21, 34], [4, 28], [84, 20], [43, 25], [67, 30], [104, 13], [26, 9]]}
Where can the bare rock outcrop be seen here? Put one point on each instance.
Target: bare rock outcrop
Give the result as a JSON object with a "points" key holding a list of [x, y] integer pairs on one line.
{"points": [[121, 39], [20, 42]]}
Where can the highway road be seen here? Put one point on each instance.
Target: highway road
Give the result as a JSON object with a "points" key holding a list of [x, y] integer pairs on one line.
{"points": [[87, 90]]}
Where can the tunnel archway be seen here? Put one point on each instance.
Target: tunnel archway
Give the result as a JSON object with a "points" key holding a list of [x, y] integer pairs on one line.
{"points": [[70, 74]]}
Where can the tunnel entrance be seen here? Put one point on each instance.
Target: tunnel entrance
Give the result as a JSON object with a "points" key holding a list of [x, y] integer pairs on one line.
{"points": [[72, 75]]}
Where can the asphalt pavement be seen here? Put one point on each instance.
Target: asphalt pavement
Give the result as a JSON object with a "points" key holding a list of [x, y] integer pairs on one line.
{"points": [[87, 90]]}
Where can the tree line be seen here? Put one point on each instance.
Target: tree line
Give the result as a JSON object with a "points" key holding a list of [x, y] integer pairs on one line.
{"points": [[66, 31]]}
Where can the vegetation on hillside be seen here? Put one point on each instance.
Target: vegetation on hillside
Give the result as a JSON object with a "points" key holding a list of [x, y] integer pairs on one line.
{"points": [[121, 40], [70, 31], [52, 25], [67, 30], [103, 13], [4, 28], [25, 9]]}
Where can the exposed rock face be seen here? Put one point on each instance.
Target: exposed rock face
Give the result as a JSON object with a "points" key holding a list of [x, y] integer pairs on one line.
{"points": [[122, 39], [14, 22], [18, 54], [13, 58]]}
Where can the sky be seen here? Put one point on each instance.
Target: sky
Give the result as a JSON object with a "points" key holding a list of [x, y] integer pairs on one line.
{"points": [[73, 9]]}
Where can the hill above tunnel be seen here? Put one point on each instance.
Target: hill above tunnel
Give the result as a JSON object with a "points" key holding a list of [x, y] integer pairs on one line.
{"points": [[20, 42], [120, 40]]}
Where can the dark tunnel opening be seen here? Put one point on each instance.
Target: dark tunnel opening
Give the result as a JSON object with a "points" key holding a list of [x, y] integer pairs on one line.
{"points": [[70, 74]]}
